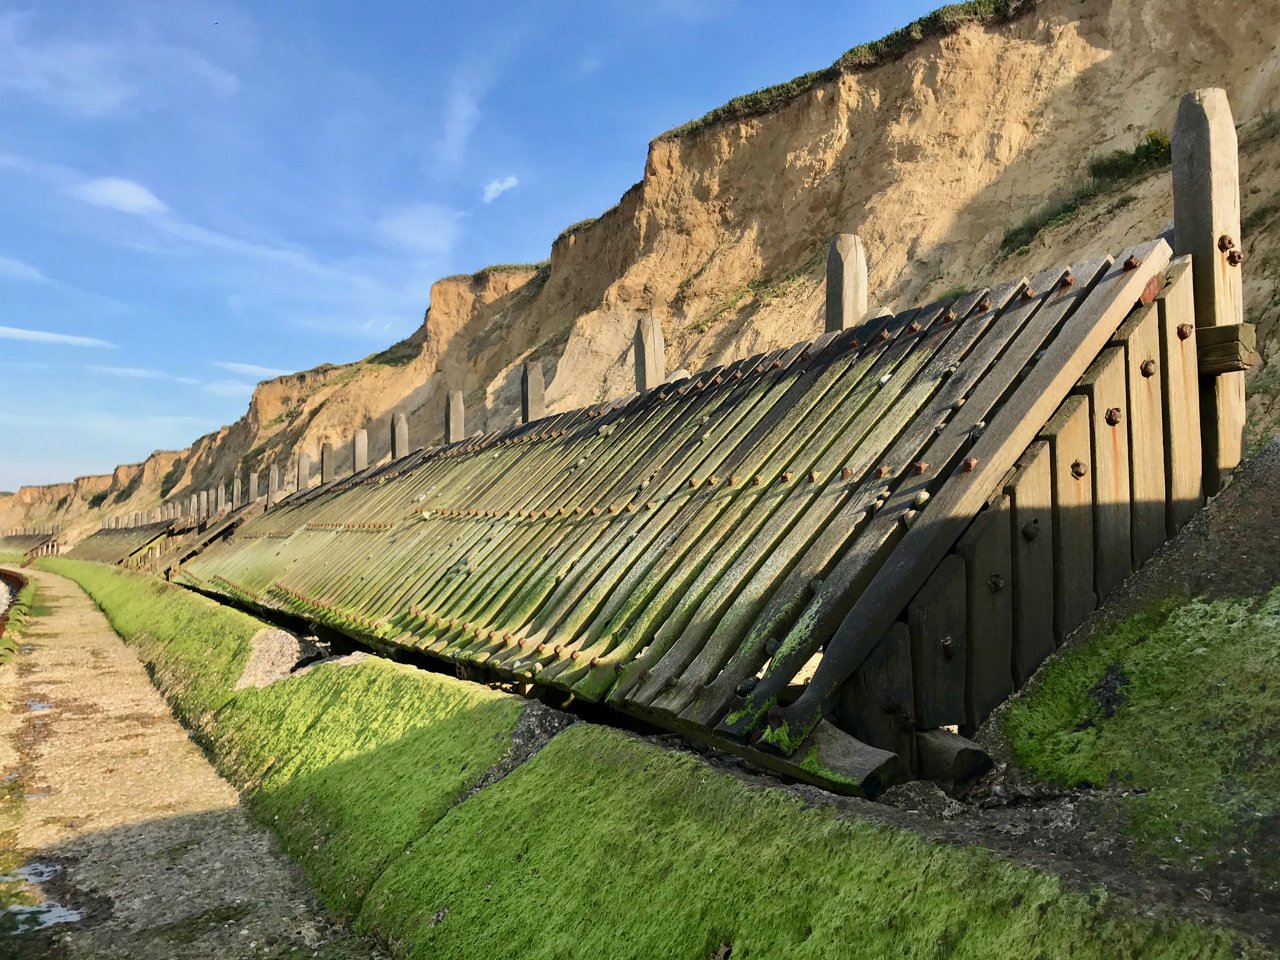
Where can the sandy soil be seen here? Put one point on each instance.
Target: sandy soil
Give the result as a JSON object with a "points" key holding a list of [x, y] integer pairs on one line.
{"points": [[129, 831]]}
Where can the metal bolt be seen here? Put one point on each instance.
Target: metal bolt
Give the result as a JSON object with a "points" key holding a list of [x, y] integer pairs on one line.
{"points": [[1133, 263], [948, 647], [713, 481], [787, 475], [1067, 281], [1031, 529], [1185, 330], [995, 583], [884, 334], [846, 473], [1113, 416], [1235, 258], [746, 686], [914, 327], [735, 480], [814, 476], [919, 466], [1148, 368], [970, 464], [984, 303], [882, 471], [757, 480], [949, 315], [1028, 293], [1225, 243], [1079, 470]]}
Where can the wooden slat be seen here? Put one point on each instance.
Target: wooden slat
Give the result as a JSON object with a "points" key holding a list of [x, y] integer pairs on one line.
{"points": [[1228, 349], [1104, 386], [988, 561], [877, 704], [1140, 338], [1070, 444], [939, 645], [1008, 432], [1030, 495], [1180, 386]]}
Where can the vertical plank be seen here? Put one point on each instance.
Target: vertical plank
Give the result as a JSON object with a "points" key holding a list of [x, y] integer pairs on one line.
{"points": [[939, 641], [877, 704], [1180, 386], [1031, 514], [1206, 216], [455, 417], [846, 282], [1104, 386], [1071, 457], [988, 560], [1140, 338]]}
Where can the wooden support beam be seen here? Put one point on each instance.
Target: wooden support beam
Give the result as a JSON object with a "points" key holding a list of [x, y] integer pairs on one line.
{"points": [[1104, 384], [877, 704], [650, 352], [1071, 453], [304, 471], [847, 288], [1180, 386], [253, 486], [1229, 349], [360, 451], [1139, 336], [988, 561], [939, 645], [533, 389], [1206, 213], [455, 417], [327, 463], [273, 486], [399, 436], [1030, 493]]}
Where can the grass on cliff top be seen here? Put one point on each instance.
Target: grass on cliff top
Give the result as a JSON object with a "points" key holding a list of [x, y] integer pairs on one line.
{"points": [[1182, 701], [604, 846], [601, 845], [943, 20], [349, 765]]}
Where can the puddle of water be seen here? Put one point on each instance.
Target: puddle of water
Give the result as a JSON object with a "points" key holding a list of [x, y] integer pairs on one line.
{"points": [[47, 914], [35, 706], [32, 873], [26, 647]]}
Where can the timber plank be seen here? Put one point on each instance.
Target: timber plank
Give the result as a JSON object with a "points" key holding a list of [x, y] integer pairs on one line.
{"points": [[877, 704], [1140, 338], [1030, 495], [938, 622], [1071, 449], [988, 561], [1104, 386], [1180, 386]]}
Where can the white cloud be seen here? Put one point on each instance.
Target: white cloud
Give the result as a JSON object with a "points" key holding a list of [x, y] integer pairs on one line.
{"points": [[249, 369], [17, 270], [496, 188], [116, 193], [43, 336], [230, 388], [589, 64], [92, 79], [141, 373], [425, 228], [461, 115]]}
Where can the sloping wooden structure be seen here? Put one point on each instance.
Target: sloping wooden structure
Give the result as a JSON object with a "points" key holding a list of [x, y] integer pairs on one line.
{"points": [[29, 543], [128, 546]]}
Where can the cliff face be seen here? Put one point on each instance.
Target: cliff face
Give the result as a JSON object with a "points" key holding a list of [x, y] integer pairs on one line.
{"points": [[931, 156]]}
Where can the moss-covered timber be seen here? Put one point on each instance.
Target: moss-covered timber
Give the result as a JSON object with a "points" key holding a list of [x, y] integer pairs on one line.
{"points": [[600, 845]]}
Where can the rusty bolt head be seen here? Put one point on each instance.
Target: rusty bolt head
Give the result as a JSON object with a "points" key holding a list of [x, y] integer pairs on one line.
{"points": [[914, 326], [1112, 416], [984, 303], [1225, 243], [1079, 470], [757, 480], [846, 473], [746, 686], [771, 645], [713, 481], [573, 654], [1235, 258], [1068, 280], [948, 316], [1133, 263], [948, 647], [1027, 293], [595, 661], [970, 464], [1031, 529], [734, 480], [787, 475], [1148, 368], [995, 583], [919, 466], [814, 476], [884, 334], [1185, 330], [693, 481], [882, 471]]}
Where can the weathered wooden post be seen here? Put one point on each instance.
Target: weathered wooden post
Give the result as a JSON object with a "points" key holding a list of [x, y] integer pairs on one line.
{"points": [[326, 463], [204, 504], [253, 487], [1206, 215], [360, 451], [651, 349], [304, 471], [273, 486], [455, 417], [193, 506], [846, 282], [222, 496], [237, 498], [399, 436], [533, 389]]}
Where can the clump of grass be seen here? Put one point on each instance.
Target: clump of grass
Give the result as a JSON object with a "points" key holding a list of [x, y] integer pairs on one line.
{"points": [[944, 20], [1106, 173], [573, 228], [98, 499], [1209, 763]]}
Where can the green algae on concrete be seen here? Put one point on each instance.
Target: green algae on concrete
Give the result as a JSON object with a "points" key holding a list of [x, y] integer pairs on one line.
{"points": [[605, 846], [1182, 702]]}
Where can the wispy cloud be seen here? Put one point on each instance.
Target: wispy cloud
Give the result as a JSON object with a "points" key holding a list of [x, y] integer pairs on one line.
{"points": [[44, 336], [141, 373], [116, 193], [248, 369], [425, 228], [230, 388], [461, 116], [496, 188], [91, 79], [17, 270]]}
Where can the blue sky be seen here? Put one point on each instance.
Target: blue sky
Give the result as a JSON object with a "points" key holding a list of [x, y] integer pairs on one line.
{"points": [[195, 196]]}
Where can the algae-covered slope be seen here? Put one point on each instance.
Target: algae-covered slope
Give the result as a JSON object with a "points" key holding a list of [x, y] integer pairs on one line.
{"points": [[934, 146], [390, 786]]}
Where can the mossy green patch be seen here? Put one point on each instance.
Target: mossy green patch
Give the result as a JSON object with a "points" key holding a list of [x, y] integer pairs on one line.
{"points": [[604, 846], [1182, 701]]}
